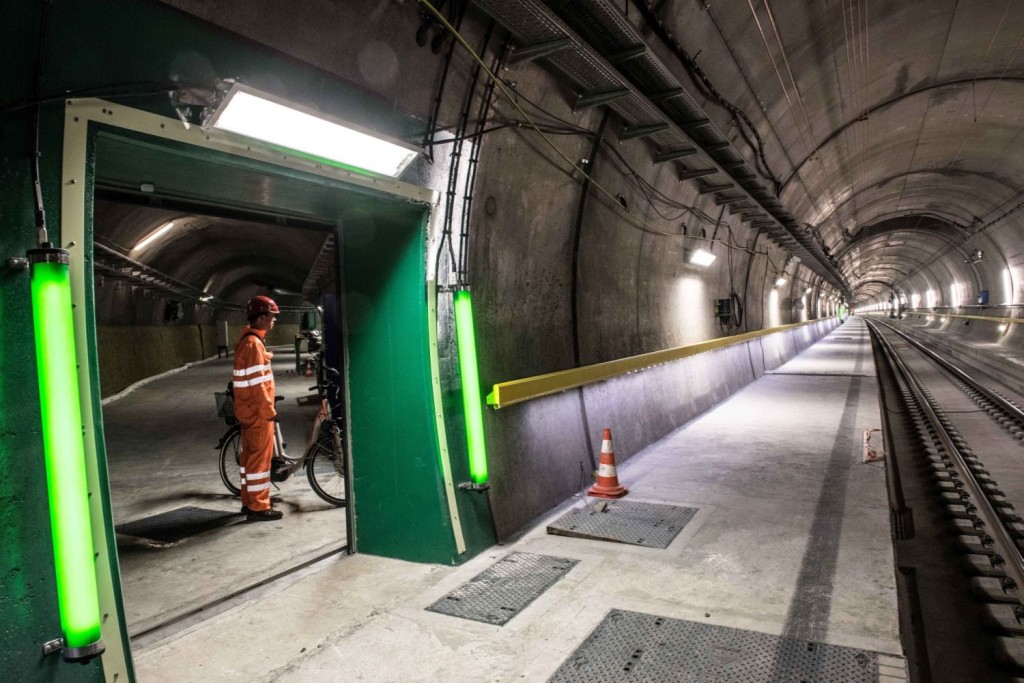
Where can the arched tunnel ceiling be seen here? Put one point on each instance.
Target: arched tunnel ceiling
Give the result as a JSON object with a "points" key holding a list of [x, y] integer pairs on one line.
{"points": [[876, 110], [230, 259], [870, 110]]}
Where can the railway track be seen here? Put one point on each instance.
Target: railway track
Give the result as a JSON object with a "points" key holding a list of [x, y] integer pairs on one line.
{"points": [[969, 450]]}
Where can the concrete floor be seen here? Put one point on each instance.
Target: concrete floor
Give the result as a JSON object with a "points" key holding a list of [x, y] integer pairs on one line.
{"points": [[160, 446], [792, 537]]}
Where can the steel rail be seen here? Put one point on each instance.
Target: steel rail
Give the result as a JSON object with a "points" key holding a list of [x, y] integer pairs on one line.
{"points": [[1008, 551], [1010, 409]]}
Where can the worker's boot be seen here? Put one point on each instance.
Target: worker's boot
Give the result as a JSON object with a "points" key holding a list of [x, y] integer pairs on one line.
{"points": [[264, 515]]}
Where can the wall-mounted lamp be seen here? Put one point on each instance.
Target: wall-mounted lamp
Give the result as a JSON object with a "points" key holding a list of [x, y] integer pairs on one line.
{"points": [[249, 112], [702, 257], [66, 483], [472, 402], [779, 281], [148, 239]]}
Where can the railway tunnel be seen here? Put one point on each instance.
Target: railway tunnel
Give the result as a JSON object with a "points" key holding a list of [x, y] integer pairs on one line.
{"points": [[768, 246]]}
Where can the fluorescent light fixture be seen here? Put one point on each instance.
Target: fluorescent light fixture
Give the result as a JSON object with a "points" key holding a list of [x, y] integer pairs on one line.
{"points": [[64, 452], [1008, 286], [249, 112], [779, 281], [206, 297], [153, 235], [702, 257], [807, 291], [1003, 327], [472, 403]]}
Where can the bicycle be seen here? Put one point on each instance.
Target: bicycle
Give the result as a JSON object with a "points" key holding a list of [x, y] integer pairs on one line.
{"points": [[323, 458]]}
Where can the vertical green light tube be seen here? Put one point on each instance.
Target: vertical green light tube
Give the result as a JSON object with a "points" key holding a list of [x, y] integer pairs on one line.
{"points": [[472, 402], [74, 562]]}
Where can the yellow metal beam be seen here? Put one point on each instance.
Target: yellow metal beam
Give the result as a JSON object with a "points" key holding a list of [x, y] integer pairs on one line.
{"points": [[519, 390]]}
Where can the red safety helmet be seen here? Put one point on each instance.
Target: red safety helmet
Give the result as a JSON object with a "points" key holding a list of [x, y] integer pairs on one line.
{"points": [[259, 305]]}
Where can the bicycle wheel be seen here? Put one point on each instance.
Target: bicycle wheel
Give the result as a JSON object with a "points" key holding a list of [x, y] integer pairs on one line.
{"points": [[326, 470], [229, 452]]}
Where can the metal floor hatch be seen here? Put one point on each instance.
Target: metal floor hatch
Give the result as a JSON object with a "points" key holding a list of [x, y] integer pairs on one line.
{"points": [[630, 646], [646, 524], [505, 588]]}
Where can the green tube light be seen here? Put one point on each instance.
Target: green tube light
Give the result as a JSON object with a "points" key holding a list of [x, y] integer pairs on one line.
{"points": [[74, 562], [472, 402]]}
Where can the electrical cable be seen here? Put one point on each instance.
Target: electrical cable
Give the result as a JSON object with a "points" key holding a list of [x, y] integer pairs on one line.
{"points": [[702, 81], [503, 88], [37, 187]]}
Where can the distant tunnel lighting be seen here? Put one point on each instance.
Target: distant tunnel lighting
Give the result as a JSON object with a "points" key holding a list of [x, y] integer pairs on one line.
{"points": [[807, 291], [954, 295], [1003, 327], [153, 235], [702, 257], [1008, 286], [206, 297], [779, 281], [64, 452], [264, 117], [471, 400]]}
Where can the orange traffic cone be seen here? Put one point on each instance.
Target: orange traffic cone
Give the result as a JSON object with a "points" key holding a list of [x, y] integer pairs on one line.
{"points": [[607, 485]]}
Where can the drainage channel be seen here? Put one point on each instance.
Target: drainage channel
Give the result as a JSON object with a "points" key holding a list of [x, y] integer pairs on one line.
{"points": [[986, 527], [156, 633]]}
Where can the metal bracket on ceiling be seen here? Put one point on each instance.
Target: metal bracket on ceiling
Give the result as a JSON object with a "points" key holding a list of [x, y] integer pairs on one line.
{"points": [[697, 173], [633, 132], [594, 99], [711, 189], [723, 200], [672, 154], [528, 53], [627, 55]]}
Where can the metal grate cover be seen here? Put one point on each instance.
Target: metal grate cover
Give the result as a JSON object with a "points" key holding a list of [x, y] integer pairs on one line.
{"points": [[177, 524], [630, 646], [646, 524], [504, 589]]}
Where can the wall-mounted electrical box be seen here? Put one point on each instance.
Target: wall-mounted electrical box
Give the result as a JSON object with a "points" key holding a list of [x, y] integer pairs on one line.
{"points": [[723, 310]]}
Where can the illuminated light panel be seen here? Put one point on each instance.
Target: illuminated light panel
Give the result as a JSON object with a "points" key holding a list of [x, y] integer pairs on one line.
{"points": [[67, 487], [1003, 327], [954, 295], [1008, 286], [153, 235], [472, 402], [929, 299], [702, 257], [779, 281], [258, 115]]}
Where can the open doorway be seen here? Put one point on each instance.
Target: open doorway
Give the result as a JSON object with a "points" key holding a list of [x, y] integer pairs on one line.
{"points": [[170, 288], [401, 478]]}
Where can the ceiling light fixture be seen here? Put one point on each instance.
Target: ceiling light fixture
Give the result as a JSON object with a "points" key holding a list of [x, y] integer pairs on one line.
{"points": [[779, 281], [153, 235], [702, 257], [249, 112]]}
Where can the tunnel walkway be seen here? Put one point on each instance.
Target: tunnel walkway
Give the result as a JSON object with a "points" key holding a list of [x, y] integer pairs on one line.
{"points": [[160, 442], [791, 538]]}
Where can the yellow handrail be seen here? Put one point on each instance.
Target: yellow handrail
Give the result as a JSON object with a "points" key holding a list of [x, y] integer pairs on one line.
{"points": [[518, 390]]}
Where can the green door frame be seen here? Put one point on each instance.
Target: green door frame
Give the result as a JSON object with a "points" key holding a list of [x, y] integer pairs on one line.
{"points": [[76, 238]]}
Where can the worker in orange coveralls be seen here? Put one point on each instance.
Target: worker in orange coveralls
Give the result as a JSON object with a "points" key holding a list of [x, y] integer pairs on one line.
{"points": [[253, 389]]}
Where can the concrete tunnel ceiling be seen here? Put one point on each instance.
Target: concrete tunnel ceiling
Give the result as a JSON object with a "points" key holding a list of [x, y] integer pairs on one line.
{"points": [[896, 125], [870, 112], [230, 259]]}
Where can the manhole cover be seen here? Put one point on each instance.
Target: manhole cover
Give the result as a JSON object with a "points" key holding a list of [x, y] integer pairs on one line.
{"points": [[503, 590], [178, 524], [643, 647], [646, 524]]}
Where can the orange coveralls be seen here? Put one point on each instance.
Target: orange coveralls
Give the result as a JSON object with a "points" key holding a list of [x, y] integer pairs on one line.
{"points": [[253, 389]]}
